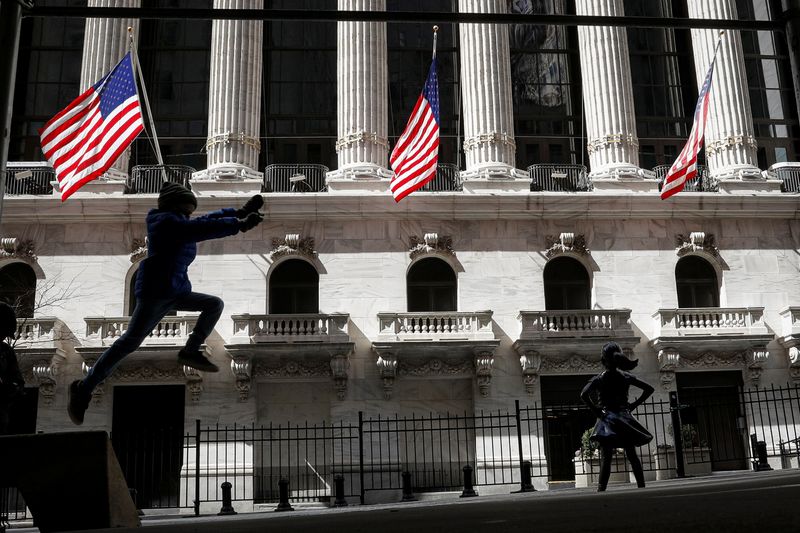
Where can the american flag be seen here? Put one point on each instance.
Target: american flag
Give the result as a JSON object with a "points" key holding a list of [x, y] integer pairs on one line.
{"points": [[685, 167], [83, 140], [416, 153]]}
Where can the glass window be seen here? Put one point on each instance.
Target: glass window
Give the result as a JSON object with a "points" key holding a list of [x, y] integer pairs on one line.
{"points": [[431, 286], [18, 288], [566, 285], [294, 288], [696, 281]]}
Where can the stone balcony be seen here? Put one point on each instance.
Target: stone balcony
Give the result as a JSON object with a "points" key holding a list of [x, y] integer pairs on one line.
{"points": [[39, 350], [711, 338], [435, 344], [569, 341], [790, 339], [154, 361], [309, 347]]}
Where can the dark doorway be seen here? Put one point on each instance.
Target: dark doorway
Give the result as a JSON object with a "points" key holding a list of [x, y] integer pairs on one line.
{"points": [[565, 420], [712, 417], [431, 286], [147, 434], [294, 288], [566, 285]]}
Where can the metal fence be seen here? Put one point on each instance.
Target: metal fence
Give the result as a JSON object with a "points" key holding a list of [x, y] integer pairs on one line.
{"points": [[447, 178], [568, 178], [692, 436], [295, 178], [703, 182], [147, 179], [790, 176], [30, 180]]}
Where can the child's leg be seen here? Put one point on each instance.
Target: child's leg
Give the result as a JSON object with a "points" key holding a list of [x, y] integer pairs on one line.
{"points": [[210, 308], [144, 318], [606, 453], [636, 465]]}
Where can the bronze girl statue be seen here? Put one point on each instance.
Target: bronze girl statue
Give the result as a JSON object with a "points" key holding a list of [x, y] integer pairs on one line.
{"points": [[616, 427]]}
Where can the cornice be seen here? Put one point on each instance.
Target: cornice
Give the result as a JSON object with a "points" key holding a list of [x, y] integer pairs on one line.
{"points": [[448, 206]]}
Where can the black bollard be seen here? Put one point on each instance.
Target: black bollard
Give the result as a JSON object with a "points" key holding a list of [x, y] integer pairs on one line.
{"points": [[227, 508], [525, 485], [469, 491], [408, 490], [283, 490], [338, 485], [761, 451]]}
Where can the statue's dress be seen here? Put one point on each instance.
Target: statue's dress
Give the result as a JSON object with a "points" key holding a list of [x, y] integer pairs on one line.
{"points": [[616, 428]]}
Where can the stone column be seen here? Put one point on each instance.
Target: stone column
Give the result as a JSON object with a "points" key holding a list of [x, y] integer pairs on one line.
{"points": [[730, 144], [488, 109], [105, 41], [234, 102], [608, 97], [362, 146]]}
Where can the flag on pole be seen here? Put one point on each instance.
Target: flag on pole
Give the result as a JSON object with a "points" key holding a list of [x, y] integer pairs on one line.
{"points": [[416, 153], [685, 167], [83, 140]]}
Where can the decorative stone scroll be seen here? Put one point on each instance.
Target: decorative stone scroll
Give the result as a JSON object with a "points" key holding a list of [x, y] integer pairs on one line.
{"points": [[573, 364], [44, 375], [433, 367], [11, 247], [292, 244], [292, 369], [431, 243], [138, 249], [241, 370], [484, 359], [697, 241], [194, 382], [668, 361], [793, 355], [750, 361], [531, 363], [566, 243], [387, 369], [339, 366]]}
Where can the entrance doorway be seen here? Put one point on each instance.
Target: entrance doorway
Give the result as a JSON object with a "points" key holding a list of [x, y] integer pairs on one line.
{"points": [[565, 420], [147, 435], [712, 416]]}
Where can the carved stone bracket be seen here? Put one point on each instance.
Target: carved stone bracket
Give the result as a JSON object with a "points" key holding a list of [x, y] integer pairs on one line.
{"points": [[18, 249], [531, 362], [241, 369], [431, 243], [99, 392], [339, 366], [566, 242], [194, 382], [44, 375], [484, 359], [668, 361], [794, 363], [138, 249], [755, 359], [292, 244], [697, 241], [387, 369]]}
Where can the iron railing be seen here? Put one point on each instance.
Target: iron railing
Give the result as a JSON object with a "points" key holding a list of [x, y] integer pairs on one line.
{"points": [[447, 178], [147, 179], [295, 178], [29, 179], [789, 176], [703, 182], [557, 178]]}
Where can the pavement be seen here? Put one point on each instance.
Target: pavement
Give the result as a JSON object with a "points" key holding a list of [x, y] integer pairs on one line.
{"points": [[764, 502]]}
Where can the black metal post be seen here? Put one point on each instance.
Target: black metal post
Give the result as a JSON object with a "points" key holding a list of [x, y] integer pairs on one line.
{"points": [[283, 491], [468, 491], [338, 485], [197, 468], [677, 435], [227, 507], [10, 23], [361, 453], [408, 490], [525, 484]]}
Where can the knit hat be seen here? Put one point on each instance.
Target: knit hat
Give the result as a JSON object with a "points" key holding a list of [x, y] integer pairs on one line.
{"points": [[8, 320], [173, 194]]}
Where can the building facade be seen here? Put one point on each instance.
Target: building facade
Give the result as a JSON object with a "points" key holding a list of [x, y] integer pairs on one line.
{"points": [[542, 237]]}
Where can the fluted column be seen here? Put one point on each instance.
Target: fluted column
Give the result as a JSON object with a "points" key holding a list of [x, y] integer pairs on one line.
{"points": [[234, 103], [105, 41], [362, 146], [607, 93], [729, 141], [486, 94]]}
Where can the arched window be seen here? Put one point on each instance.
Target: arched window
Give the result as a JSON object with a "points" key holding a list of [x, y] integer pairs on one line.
{"points": [[566, 285], [697, 283], [431, 286], [18, 288], [294, 288]]}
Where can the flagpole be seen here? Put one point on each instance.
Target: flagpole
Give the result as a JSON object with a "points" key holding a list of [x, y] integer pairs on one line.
{"points": [[138, 68]]}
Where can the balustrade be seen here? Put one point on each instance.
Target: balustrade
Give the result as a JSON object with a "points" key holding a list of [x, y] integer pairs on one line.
{"points": [[432, 325]]}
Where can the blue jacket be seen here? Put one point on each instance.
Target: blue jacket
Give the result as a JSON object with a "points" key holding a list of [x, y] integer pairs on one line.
{"points": [[171, 248]]}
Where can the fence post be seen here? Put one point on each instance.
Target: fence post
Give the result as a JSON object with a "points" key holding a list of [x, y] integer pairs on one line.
{"points": [[525, 484], [227, 507], [468, 487], [338, 483], [408, 490], [361, 453], [677, 435], [197, 469], [283, 491]]}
